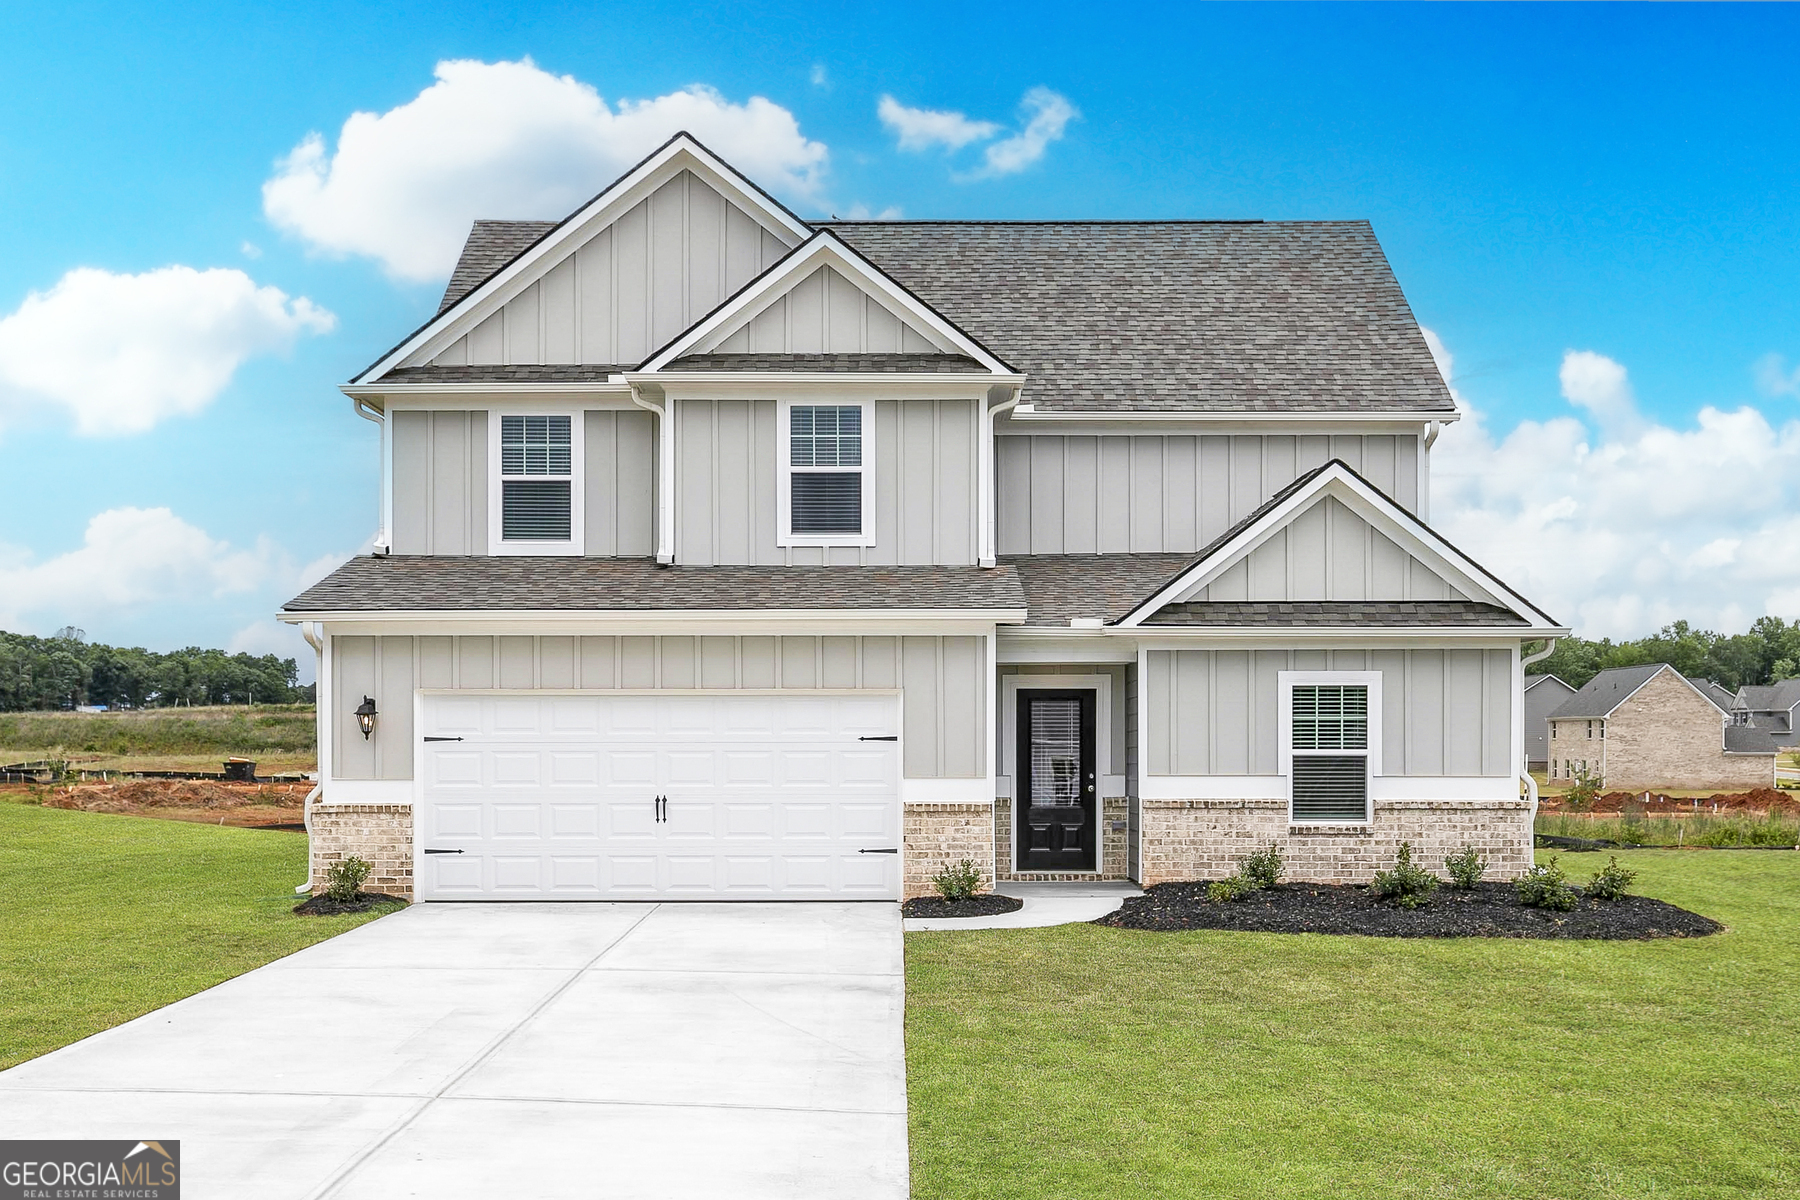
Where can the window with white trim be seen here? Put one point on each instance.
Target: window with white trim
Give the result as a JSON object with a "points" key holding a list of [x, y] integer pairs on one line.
{"points": [[534, 504], [1331, 734], [824, 487]]}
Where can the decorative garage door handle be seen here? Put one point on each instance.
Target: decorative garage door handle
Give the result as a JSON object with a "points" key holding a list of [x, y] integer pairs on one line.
{"points": [[428, 850], [884, 737], [662, 808], [889, 850], [429, 738]]}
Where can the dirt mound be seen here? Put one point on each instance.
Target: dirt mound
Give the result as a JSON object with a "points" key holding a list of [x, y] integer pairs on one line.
{"points": [[1760, 800], [137, 795]]}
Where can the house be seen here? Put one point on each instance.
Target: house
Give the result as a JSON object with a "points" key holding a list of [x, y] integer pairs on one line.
{"points": [[1651, 727], [1770, 709], [728, 554], [1543, 695]]}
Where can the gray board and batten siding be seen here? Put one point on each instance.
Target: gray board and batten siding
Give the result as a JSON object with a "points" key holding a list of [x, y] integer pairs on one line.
{"points": [[633, 286], [441, 483], [825, 313], [1217, 712], [1151, 493], [924, 505], [944, 681]]}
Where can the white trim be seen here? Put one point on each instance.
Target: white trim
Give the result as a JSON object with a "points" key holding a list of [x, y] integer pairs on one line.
{"points": [[1418, 539], [384, 538], [1101, 686], [1029, 413], [946, 791], [368, 791], [1211, 787], [498, 546], [784, 474], [1174, 637], [822, 249], [1382, 789], [463, 397], [874, 622], [679, 153], [1458, 788], [1285, 682], [1050, 645]]}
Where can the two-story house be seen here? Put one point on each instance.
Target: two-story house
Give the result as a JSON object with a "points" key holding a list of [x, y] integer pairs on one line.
{"points": [[727, 554]]}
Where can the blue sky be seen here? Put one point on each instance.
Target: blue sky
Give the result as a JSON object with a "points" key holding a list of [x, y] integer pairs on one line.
{"points": [[1616, 181]]}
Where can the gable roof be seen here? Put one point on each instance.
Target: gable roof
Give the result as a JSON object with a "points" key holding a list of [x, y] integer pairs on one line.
{"points": [[491, 245], [1532, 681], [1167, 316], [1609, 689], [1717, 693], [1339, 479], [1778, 697]]}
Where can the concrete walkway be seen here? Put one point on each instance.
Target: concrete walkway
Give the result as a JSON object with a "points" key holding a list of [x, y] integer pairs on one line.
{"points": [[1045, 904], [543, 1050]]}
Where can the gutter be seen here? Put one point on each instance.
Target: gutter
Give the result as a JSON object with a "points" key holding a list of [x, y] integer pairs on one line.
{"points": [[986, 470]]}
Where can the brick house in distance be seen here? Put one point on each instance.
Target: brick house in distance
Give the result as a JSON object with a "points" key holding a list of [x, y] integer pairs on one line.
{"points": [[1649, 726]]}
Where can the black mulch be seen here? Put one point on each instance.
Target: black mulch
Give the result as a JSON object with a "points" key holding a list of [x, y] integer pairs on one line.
{"points": [[1490, 910], [988, 905], [322, 905]]}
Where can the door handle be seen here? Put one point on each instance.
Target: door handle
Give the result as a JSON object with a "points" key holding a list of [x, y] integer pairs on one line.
{"points": [[662, 808]]}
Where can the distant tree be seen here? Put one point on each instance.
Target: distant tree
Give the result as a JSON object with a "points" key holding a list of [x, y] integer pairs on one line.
{"points": [[67, 670], [1768, 653]]}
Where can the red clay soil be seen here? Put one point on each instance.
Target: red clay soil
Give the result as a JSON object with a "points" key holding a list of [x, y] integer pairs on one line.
{"points": [[1762, 800], [242, 804]]}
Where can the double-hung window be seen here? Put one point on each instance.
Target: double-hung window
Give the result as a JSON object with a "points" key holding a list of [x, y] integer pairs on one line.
{"points": [[1331, 735], [536, 507], [824, 475]]}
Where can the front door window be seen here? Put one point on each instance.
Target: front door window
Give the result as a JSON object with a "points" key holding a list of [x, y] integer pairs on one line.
{"points": [[1058, 801]]}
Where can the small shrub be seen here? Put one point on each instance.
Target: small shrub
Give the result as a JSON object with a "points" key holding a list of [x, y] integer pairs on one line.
{"points": [[1466, 868], [1408, 884], [1610, 881], [958, 881], [1584, 791], [1262, 868], [1545, 886], [343, 880], [1227, 891]]}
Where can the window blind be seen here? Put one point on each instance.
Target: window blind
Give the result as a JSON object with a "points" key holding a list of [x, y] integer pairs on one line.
{"points": [[535, 510], [1327, 718], [827, 503], [824, 498], [534, 446], [1331, 717], [1331, 787], [538, 454]]}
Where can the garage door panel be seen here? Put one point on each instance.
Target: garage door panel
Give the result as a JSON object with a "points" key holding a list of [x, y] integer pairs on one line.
{"points": [[766, 797]]}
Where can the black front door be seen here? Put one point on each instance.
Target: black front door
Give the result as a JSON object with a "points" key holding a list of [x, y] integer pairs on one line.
{"points": [[1058, 814]]}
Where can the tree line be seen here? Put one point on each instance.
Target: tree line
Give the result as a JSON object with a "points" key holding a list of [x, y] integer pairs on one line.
{"points": [[1768, 653], [67, 670]]}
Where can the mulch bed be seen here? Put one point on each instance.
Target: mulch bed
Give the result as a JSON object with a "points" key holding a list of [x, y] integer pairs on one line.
{"points": [[989, 905], [322, 905], [1490, 910]]}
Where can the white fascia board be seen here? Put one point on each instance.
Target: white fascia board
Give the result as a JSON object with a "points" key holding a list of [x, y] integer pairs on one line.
{"points": [[614, 386], [1362, 636], [1473, 790], [772, 385], [519, 401], [825, 249], [679, 153], [1413, 535], [1026, 413], [712, 621]]}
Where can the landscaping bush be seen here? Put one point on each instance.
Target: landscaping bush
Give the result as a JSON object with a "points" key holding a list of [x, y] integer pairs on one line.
{"points": [[1408, 884], [1584, 791], [1227, 891], [344, 879], [1545, 886], [1466, 867], [1610, 881], [1262, 868], [958, 881]]}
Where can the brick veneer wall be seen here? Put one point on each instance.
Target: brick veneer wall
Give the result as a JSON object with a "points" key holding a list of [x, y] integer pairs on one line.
{"points": [[1204, 839], [1668, 735], [1570, 743], [1115, 848], [379, 834], [937, 835]]}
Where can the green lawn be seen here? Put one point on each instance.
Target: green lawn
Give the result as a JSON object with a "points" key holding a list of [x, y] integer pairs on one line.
{"points": [[103, 918], [1091, 1062]]}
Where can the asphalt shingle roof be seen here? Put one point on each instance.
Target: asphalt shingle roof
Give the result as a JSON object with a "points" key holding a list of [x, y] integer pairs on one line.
{"points": [[1290, 316], [491, 245], [1301, 614], [1779, 697], [1061, 587], [1742, 739], [425, 583], [515, 373], [828, 363], [1606, 691]]}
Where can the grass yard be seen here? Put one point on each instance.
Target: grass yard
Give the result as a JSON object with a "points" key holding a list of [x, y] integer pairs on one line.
{"points": [[1089, 1062], [103, 918]]}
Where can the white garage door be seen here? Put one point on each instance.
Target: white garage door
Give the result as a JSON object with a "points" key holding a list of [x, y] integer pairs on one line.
{"points": [[535, 796]]}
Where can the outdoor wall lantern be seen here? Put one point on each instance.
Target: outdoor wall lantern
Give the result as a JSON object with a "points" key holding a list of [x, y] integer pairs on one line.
{"points": [[365, 716]]}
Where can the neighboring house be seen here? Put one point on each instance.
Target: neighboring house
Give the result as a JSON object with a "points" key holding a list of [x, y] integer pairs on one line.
{"points": [[1543, 695], [1718, 693], [726, 554], [1770, 709], [1649, 727]]}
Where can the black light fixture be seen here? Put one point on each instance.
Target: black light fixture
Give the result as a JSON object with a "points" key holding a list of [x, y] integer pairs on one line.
{"points": [[365, 716]]}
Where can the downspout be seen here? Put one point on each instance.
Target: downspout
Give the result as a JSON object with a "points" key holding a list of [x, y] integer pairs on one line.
{"points": [[665, 482], [990, 490], [385, 502], [1531, 790], [310, 631], [1432, 429]]}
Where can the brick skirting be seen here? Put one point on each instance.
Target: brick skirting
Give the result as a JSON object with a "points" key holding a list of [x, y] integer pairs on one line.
{"points": [[1204, 839], [937, 835], [379, 834]]}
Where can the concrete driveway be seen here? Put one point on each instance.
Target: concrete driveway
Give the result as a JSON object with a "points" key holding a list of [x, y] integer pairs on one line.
{"points": [[543, 1050]]}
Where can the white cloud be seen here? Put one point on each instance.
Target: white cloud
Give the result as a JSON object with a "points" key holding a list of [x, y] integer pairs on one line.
{"points": [[1048, 115], [1620, 530], [507, 140], [923, 128], [862, 212], [1775, 378], [818, 76], [122, 352]]}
